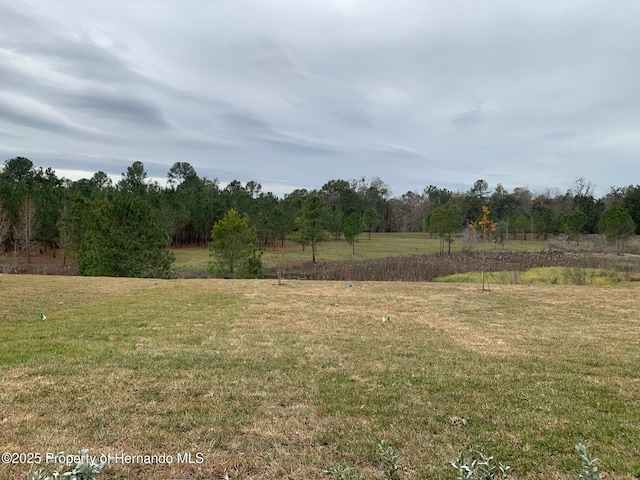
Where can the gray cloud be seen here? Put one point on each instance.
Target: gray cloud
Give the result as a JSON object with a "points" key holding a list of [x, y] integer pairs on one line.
{"points": [[468, 119], [33, 114], [81, 58], [119, 105], [269, 55], [297, 93]]}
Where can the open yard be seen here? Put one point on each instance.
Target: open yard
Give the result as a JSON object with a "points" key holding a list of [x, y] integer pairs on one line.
{"points": [[261, 381]]}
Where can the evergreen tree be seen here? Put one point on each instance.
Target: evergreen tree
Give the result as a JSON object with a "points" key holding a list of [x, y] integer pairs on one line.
{"points": [[122, 239], [574, 223], [234, 247], [352, 228], [47, 199], [445, 221], [134, 181], [312, 223], [617, 225], [631, 203], [545, 224], [279, 226], [522, 224], [371, 220]]}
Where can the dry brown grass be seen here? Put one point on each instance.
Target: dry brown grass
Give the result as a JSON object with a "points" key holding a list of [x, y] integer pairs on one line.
{"points": [[273, 381]]}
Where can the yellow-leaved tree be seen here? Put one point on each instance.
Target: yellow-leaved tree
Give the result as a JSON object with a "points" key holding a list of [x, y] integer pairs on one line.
{"points": [[485, 225]]}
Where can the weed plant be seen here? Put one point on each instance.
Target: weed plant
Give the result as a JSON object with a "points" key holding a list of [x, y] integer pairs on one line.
{"points": [[474, 465], [85, 469], [588, 465]]}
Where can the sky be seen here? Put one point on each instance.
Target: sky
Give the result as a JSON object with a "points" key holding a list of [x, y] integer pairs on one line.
{"points": [[292, 94]]}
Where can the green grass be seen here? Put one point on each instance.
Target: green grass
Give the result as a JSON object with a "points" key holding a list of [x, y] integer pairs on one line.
{"points": [[280, 382], [542, 276]]}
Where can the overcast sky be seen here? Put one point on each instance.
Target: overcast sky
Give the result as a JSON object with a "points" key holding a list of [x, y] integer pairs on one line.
{"points": [[293, 93]]}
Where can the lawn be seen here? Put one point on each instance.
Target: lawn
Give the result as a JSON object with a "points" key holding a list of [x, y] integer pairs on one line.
{"points": [[261, 381]]}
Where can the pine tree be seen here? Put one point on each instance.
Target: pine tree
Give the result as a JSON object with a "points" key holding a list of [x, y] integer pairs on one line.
{"points": [[122, 239], [234, 247]]}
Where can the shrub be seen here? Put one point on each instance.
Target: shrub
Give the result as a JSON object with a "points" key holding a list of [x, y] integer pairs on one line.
{"points": [[575, 276]]}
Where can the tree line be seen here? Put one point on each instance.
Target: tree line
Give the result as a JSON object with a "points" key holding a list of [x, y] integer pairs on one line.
{"points": [[102, 223]]}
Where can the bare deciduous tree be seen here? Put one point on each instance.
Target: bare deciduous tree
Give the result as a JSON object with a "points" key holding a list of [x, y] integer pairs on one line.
{"points": [[5, 224], [26, 226]]}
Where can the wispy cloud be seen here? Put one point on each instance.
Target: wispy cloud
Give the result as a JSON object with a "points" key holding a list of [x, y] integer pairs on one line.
{"points": [[302, 92]]}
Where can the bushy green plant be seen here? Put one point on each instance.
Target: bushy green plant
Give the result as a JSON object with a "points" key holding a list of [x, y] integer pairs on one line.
{"points": [[479, 466], [252, 267], [390, 464], [588, 467], [85, 469]]}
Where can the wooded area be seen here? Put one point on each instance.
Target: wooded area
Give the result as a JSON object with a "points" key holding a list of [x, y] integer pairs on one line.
{"points": [[91, 219]]}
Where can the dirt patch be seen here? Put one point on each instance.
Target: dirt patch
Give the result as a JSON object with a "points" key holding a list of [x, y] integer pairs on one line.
{"points": [[42, 263]]}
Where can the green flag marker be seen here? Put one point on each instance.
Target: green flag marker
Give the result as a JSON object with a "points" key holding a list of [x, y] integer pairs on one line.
{"points": [[43, 316]]}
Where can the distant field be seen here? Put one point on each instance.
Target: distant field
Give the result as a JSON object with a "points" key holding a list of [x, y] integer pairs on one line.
{"points": [[271, 382], [194, 260]]}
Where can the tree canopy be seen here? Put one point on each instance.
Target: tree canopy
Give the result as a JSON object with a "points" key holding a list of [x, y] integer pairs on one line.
{"points": [[574, 223], [122, 239], [60, 211], [445, 221], [312, 223], [234, 247], [353, 227], [617, 225]]}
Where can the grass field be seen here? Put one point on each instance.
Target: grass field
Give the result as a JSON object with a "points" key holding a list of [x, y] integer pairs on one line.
{"points": [[271, 382], [194, 260]]}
